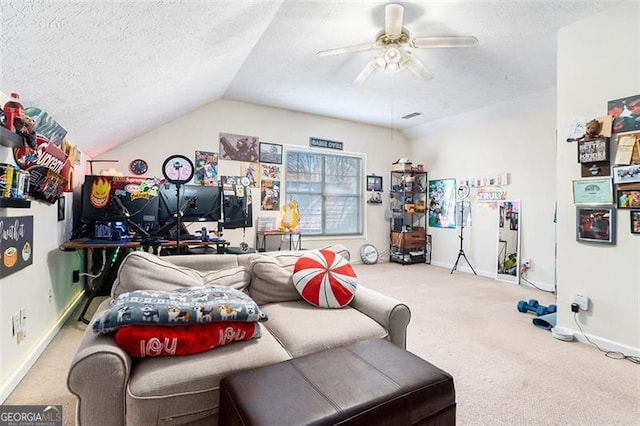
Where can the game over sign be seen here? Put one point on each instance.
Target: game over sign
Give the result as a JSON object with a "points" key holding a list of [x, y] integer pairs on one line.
{"points": [[324, 143]]}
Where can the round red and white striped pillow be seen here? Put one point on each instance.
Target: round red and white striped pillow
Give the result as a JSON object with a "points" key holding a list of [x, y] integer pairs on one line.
{"points": [[324, 279]]}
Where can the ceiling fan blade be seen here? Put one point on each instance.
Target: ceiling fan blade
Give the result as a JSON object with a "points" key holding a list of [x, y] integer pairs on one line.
{"points": [[457, 41], [348, 49], [374, 64], [416, 67], [393, 15]]}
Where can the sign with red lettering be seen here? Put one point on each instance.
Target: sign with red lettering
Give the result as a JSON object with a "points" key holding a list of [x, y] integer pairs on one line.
{"points": [[49, 168]]}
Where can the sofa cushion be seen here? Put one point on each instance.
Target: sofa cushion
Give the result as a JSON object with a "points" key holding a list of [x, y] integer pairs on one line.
{"points": [[303, 329], [161, 389], [149, 340], [145, 271], [324, 279], [272, 274], [182, 306], [271, 282]]}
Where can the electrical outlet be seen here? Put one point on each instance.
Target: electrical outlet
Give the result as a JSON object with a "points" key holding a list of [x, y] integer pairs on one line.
{"points": [[526, 263], [581, 300], [76, 276]]}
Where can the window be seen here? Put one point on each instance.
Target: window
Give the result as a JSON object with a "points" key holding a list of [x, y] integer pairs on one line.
{"points": [[328, 189]]}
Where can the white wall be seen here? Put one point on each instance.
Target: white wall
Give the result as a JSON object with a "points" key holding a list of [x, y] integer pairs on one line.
{"points": [[516, 137], [596, 66], [199, 130], [44, 290]]}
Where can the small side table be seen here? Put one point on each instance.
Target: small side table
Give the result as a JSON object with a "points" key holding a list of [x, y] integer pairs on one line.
{"points": [[294, 244]]}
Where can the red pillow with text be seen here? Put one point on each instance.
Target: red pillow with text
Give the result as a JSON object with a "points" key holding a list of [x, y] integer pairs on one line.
{"points": [[325, 279], [150, 340]]}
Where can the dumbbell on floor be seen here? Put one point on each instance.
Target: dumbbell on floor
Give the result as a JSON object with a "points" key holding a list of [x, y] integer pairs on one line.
{"points": [[533, 306]]}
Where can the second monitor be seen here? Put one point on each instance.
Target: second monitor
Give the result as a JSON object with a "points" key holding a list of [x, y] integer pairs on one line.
{"points": [[197, 203]]}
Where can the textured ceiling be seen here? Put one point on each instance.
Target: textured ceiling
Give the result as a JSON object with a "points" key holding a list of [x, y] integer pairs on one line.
{"points": [[110, 71]]}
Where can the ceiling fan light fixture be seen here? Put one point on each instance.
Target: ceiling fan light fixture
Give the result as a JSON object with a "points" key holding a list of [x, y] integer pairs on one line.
{"points": [[393, 56], [395, 39]]}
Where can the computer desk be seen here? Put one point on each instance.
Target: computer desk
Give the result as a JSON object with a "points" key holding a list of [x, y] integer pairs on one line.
{"points": [[111, 258]]}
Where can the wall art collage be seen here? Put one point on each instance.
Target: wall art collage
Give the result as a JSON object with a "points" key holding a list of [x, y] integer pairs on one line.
{"points": [[608, 152]]}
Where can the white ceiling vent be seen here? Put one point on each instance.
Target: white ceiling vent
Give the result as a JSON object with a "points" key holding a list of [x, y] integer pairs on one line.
{"points": [[412, 115]]}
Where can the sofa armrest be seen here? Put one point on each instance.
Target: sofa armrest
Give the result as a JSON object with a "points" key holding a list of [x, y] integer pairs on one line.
{"points": [[390, 313], [98, 377]]}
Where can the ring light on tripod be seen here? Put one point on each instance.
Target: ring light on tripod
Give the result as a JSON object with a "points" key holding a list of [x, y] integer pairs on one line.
{"points": [[463, 192], [178, 169]]}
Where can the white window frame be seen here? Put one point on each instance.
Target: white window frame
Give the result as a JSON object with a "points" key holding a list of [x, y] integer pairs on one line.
{"points": [[361, 184]]}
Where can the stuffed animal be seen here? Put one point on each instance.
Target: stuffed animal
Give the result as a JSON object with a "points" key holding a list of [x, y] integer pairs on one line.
{"points": [[289, 222], [592, 130], [25, 127]]}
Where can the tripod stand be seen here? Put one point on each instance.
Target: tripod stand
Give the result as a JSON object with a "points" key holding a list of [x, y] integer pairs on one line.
{"points": [[463, 193]]}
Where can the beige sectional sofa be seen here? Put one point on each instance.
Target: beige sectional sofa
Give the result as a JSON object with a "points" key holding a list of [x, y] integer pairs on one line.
{"points": [[115, 389]]}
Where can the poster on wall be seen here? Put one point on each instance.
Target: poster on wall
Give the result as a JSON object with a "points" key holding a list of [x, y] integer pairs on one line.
{"points": [[250, 171], [270, 195], [238, 147], [16, 244], [442, 203], [625, 112], [269, 172], [206, 165]]}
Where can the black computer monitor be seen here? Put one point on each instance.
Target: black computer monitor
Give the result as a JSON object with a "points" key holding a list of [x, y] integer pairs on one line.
{"points": [[198, 203], [140, 199], [135, 195]]}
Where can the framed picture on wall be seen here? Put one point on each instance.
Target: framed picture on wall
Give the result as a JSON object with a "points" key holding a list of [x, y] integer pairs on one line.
{"points": [[270, 153], [374, 183], [593, 192], [596, 224], [628, 196], [635, 221], [626, 174]]}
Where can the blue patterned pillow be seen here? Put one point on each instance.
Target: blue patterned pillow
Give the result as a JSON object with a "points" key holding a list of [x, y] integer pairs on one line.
{"points": [[191, 305]]}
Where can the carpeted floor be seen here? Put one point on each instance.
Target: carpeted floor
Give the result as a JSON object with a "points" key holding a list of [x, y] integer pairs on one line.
{"points": [[506, 371]]}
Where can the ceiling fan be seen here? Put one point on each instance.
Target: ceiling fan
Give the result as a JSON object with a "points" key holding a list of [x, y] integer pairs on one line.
{"points": [[395, 41]]}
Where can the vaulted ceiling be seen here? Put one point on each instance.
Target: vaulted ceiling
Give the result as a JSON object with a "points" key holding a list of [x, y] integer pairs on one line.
{"points": [[110, 71]]}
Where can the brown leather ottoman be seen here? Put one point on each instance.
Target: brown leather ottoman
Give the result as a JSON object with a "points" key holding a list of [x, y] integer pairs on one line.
{"points": [[365, 383]]}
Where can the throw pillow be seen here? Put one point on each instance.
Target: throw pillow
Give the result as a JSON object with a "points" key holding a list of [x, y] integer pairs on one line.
{"points": [[324, 279], [145, 271], [150, 340], [178, 307], [271, 274], [271, 281]]}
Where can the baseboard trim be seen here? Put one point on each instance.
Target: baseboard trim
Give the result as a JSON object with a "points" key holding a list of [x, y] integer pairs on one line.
{"points": [[605, 344], [463, 267], [22, 371], [540, 286]]}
